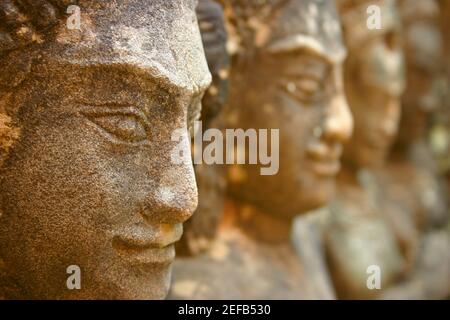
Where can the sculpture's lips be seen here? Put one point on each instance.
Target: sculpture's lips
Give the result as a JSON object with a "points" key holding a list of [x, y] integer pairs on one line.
{"points": [[146, 256], [325, 159], [326, 168], [141, 245]]}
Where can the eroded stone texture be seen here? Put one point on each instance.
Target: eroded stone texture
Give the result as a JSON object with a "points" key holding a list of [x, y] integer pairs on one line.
{"points": [[286, 74], [88, 179], [358, 234]]}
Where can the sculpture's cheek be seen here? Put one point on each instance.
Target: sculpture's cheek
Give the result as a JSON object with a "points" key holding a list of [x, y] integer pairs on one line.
{"points": [[65, 195]]}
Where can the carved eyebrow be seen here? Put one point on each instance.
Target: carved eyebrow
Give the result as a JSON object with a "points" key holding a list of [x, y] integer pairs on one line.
{"points": [[308, 44], [164, 79], [313, 67], [104, 107], [172, 82]]}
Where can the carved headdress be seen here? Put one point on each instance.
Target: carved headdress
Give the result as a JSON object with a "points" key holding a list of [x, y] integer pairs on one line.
{"points": [[25, 21], [285, 25], [22, 23]]}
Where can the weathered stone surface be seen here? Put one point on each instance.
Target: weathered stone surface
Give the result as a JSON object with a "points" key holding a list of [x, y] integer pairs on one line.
{"points": [[88, 179]]}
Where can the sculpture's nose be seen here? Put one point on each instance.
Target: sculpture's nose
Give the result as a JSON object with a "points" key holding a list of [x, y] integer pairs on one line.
{"points": [[175, 197], [172, 204], [338, 122], [169, 206]]}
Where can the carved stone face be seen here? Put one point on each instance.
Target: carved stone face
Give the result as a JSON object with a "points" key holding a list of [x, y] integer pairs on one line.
{"points": [[89, 181], [374, 83], [423, 54], [294, 85]]}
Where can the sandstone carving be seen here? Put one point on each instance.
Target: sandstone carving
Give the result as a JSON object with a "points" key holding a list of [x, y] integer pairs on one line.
{"points": [[86, 118]]}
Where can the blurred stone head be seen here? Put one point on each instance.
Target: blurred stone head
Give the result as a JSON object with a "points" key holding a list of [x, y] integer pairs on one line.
{"points": [[86, 118], [287, 75], [423, 48], [374, 79]]}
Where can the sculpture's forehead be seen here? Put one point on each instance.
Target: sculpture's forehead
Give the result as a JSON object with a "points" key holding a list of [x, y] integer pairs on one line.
{"points": [[355, 18], [311, 23], [160, 37]]}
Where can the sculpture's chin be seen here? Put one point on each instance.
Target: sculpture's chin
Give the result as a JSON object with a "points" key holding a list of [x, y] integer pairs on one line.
{"points": [[149, 286], [319, 196]]}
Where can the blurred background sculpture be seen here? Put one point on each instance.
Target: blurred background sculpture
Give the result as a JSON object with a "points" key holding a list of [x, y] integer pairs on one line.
{"points": [[441, 130], [358, 234], [86, 118], [286, 74], [410, 178]]}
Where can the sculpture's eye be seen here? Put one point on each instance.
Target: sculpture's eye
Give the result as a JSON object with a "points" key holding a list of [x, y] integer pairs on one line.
{"points": [[306, 90], [123, 126]]}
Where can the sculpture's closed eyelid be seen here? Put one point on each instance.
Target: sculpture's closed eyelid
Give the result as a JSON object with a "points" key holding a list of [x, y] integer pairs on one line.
{"points": [[124, 124], [318, 72], [303, 87]]}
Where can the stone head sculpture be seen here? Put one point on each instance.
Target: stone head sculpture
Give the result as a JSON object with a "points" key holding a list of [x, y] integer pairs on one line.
{"points": [[423, 47], [374, 79], [86, 117], [287, 75]]}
